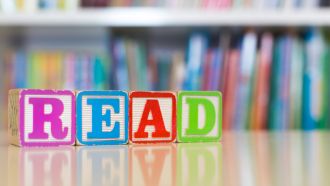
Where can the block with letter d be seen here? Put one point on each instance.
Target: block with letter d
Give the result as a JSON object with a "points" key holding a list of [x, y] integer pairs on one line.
{"points": [[41, 117], [102, 117], [152, 117], [199, 116]]}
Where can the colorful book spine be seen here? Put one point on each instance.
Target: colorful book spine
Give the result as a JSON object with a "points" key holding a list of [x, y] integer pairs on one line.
{"points": [[197, 46], [247, 65], [259, 109], [296, 82], [313, 112], [230, 87], [120, 64]]}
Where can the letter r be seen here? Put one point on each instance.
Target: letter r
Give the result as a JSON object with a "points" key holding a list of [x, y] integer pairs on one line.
{"points": [[40, 117]]}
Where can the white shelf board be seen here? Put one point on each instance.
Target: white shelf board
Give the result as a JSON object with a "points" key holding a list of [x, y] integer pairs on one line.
{"points": [[152, 17]]}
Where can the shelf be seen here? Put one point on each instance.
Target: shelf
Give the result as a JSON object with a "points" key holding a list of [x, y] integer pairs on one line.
{"points": [[154, 17]]}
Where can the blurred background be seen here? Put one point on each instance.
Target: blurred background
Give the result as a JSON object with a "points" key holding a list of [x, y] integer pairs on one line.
{"points": [[269, 58]]}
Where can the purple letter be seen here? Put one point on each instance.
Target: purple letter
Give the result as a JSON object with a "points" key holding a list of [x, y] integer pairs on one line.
{"points": [[39, 118]]}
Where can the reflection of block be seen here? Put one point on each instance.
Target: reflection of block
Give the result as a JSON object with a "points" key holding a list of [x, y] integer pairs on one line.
{"points": [[41, 117], [106, 165], [102, 117], [199, 116], [152, 117], [47, 166], [152, 164], [199, 164]]}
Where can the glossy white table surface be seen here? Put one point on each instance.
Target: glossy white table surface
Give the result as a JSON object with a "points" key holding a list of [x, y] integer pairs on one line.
{"points": [[242, 158]]}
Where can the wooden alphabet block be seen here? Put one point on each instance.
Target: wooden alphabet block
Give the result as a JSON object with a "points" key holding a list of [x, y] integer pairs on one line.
{"points": [[152, 117], [41, 117], [199, 116], [102, 117]]}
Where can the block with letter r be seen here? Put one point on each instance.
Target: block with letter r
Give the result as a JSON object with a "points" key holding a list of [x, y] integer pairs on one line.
{"points": [[41, 117], [102, 117], [199, 116]]}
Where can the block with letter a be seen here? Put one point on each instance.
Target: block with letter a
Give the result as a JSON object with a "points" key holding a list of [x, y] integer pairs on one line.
{"points": [[102, 117], [41, 117], [199, 116], [152, 117]]}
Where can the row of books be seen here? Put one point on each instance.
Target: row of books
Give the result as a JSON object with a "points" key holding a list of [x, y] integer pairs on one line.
{"points": [[134, 68], [70, 5], [56, 70], [268, 80], [51, 70]]}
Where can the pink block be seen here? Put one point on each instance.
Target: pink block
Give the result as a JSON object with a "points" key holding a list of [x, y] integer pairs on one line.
{"points": [[42, 117]]}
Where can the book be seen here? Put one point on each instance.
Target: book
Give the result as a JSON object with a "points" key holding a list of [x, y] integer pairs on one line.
{"points": [[313, 87], [296, 82], [120, 65], [279, 117], [196, 51], [247, 65], [177, 71], [231, 76], [259, 107]]}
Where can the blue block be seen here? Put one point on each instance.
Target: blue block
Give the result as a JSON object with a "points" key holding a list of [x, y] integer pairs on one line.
{"points": [[102, 117]]}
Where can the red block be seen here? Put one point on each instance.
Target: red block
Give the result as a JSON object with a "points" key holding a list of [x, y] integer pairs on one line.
{"points": [[152, 117]]}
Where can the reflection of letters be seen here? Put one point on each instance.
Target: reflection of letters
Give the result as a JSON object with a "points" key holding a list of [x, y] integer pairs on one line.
{"points": [[199, 164], [105, 167], [197, 158], [151, 164], [40, 173], [41, 167]]}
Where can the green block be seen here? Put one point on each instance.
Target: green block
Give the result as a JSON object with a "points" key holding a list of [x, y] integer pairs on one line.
{"points": [[199, 116]]}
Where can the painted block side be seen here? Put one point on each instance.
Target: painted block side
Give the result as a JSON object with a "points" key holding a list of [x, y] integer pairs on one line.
{"points": [[121, 94], [181, 111], [70, 124], [152, 95]]}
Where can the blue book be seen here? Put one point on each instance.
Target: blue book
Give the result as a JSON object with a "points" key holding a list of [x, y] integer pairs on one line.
{"points": [[280, 92], [78, 72], [197, 46], [246, 72], [20, 68], [313, 85], [163, 68], [216, 69], [284, 89], [99, 72], [120, 62]]}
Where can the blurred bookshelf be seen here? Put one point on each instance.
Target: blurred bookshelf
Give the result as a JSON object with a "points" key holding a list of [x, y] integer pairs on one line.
{"points": [[269, 58]]}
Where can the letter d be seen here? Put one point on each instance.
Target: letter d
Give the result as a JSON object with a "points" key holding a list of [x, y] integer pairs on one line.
{"points": [[194, 104]]}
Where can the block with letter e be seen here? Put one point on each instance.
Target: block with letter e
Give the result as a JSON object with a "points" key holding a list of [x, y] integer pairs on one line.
{"points": [[199, 116], [152, 117], [41, 117], [102, 117]]}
